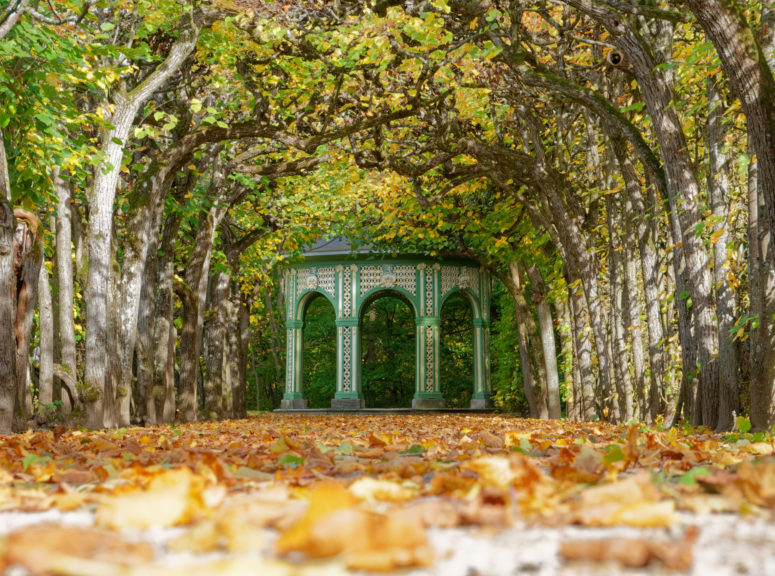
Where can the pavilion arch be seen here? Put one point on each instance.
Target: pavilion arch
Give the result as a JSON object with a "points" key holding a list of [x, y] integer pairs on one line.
{"points": [[380, 291], [308, 296], [467, 295], [349, 279]]}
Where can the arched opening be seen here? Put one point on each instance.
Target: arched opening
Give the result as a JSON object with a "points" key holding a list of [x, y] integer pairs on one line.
{"points": [[388, 351], [319, 358], [457, 351]]}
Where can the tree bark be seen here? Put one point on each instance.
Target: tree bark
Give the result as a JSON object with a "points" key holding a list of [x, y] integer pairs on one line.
{"points": [[745, 64], [681, 183], [28, 258], [718, 192], [531, 384], [582, 352], [164, 331], [546, 327], [46, 323], [7, 318], [64, 271], [10, 17], [101, 197]]}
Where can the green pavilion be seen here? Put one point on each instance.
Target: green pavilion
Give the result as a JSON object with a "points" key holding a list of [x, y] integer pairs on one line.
{"points": [[353, 278]]}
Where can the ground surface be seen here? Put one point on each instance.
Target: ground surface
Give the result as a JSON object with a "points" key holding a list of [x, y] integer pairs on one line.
{"points": [[425, 494]]}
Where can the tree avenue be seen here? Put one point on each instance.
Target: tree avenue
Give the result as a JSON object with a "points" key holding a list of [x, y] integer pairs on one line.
{"points": [[609, 162]]}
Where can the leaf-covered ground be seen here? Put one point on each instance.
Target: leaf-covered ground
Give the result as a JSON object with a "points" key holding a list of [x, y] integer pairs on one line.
{"points": [[298, 494]]}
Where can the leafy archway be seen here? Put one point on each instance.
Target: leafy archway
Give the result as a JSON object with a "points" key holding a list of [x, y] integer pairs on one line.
{"points": [[388, 348], [457, 351], [319, 360]]}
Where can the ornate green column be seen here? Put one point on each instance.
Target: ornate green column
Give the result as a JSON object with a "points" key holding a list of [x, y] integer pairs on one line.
{"points": [[427, 394], [293, 399], [349, 395], [482, 390]]}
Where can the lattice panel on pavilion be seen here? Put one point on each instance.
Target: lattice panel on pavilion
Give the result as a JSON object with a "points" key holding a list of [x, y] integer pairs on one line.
{"points": [[346, 291], [348, 336], [429, 363], [429, 292], [406, 278], [449, 276], [327, 279], [371, 277]]}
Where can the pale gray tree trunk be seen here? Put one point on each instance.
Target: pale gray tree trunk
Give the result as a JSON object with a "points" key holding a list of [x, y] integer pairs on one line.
{"points": [[46, 323], [637, 221], [572, 377], [11, 15], [582, 353], [64, 273], [546, 327], [101, 197]]}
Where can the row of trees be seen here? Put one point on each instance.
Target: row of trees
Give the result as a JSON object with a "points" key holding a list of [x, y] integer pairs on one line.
{"points": [[615, 157]]}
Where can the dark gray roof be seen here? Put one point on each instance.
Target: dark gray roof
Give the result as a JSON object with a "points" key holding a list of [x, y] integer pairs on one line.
{"points": [[336, 246]]}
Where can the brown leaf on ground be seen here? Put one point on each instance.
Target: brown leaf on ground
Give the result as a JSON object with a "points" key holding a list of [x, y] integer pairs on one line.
{"points": [[172, 498], [757, 483], [47, 549], [633, 552], [634, 501], [491, 440], [367, 540]]}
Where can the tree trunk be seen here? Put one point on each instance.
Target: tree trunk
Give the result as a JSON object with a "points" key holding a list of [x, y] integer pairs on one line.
{"points": [[746, 65], [146, 321], [197, 272], [64, 271], [164, 332], [532, 387], [546, 327], [46, 377], [28, 258], [582, 352], [718, 191], [761, 263], [101, 197], [618, 341], [636, 216], [242, 302], [7, 319], [682, 183]]}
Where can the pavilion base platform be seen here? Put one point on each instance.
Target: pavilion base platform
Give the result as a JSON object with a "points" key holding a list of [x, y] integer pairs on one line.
{"points": [[428, 403], [482, 404], [348, 404], [293, 404]]}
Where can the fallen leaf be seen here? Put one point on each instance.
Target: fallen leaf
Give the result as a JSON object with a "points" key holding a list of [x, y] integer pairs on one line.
{"points": [[45, 549], [172, 498]]}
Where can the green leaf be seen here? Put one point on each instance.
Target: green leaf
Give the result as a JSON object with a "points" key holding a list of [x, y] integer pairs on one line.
{"points": [[690, 477], [743, 424], [29, 460], [614, 453], [291, 460], [345, 448], [414, 449], [107, 26]]}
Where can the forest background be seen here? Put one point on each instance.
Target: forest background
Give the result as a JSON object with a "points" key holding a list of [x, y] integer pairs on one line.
{"points": [[610, 161]]}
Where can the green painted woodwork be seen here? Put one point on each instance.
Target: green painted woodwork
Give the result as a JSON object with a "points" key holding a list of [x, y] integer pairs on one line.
{"points": [[350, 283]]}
